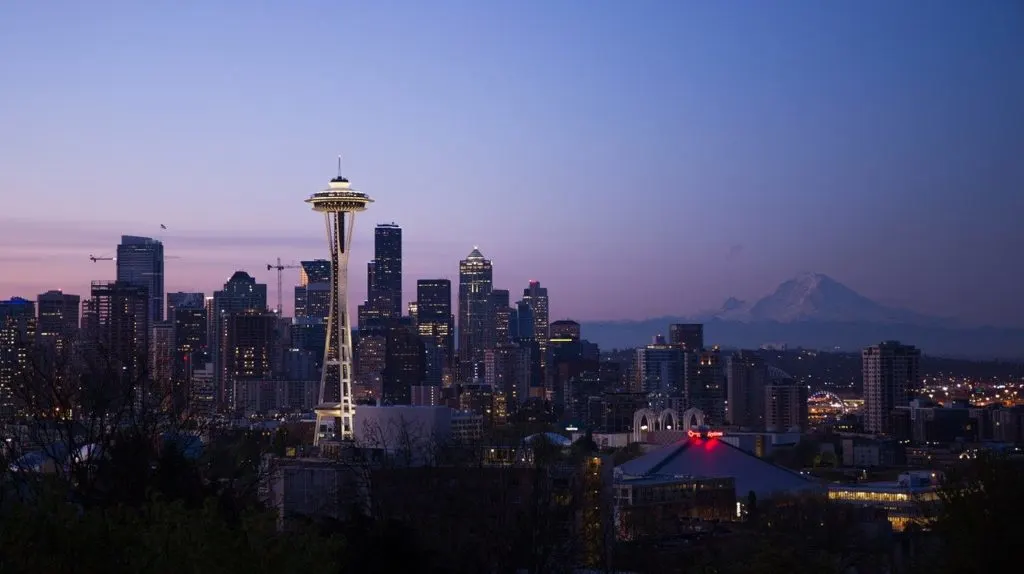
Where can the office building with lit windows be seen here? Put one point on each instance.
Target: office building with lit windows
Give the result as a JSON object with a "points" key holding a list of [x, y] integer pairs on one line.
{"points": [[476, 313], [140, 262], [537, 298], [892, 372], [17, 335]]}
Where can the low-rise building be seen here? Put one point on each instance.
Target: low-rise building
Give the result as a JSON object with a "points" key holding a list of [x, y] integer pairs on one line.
{"points": [[907, 500]]}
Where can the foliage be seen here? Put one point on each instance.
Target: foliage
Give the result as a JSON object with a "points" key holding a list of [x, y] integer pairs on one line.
{"points": [[980, 501], [159, 536]]}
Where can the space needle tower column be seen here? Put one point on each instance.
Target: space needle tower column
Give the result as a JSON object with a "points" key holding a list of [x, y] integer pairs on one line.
{"points": [[334, 411]]}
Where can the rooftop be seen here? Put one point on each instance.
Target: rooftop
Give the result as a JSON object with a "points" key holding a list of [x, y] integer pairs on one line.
{"points": [[713, 458]]}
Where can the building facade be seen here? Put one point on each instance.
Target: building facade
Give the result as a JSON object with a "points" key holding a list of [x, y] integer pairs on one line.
{"points": [[476, 317], [892, 372], [140, 262]]}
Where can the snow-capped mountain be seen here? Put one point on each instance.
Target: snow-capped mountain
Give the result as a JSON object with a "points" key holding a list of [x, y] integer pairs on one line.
{"points": [[816, 312], [732, 310], [815, 297]]}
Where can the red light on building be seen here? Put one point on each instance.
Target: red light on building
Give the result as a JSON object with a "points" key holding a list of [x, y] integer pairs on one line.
{"points": [[704, 434]]}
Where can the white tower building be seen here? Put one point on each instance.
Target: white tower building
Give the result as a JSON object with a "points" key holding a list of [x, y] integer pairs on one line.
{"points": [[334, 411]]}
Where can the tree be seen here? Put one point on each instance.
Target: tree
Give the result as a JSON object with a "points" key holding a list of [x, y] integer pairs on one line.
{"points": [[978, 503]]}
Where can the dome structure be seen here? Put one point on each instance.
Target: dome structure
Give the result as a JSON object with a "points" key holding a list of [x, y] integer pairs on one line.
{"points": [[554, 438], [777, 374]]}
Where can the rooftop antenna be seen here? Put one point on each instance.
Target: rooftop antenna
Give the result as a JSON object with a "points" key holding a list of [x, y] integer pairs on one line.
{"points": [[339, 165]]}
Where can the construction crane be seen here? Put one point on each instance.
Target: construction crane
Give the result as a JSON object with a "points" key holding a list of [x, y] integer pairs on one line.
{"points": [[280, 270], [94, 259]]}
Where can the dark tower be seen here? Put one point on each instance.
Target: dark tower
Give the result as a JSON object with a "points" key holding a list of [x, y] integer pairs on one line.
{"points": [[387, 270], [140, 262]]}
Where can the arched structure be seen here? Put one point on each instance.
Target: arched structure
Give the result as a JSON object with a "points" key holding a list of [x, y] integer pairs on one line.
{"points": [[646, 420], [836, 401], [692, 419]]}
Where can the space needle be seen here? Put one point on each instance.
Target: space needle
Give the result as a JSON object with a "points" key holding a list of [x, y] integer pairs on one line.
{"points": [[334, 411]]}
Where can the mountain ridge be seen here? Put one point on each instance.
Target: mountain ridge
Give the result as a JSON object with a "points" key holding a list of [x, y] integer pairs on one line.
{"points": [[812, 310], [816, 297]]}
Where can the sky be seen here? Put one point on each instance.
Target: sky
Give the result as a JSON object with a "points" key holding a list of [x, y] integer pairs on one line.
{"points": [[640, 159]]}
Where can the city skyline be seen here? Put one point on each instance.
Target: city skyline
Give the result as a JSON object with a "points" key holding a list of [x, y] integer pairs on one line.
{"points": [[753, 144]]}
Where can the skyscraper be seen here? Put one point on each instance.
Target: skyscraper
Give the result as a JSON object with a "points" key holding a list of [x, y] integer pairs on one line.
{"points": [[520, 323], [502, 315], [240, 293], [434, 315], [313, 293], [705, 384], [117, 336], [746, 375], [785, 402], [387, 257], [140, 262], [537, 298], [689, 336], [404, 363], [565, 331], [190, 338], [58, 319], [248, 346], [184, 300], [892, 372], [17, 334], [476, 317], [312, 308], [659, 368]]}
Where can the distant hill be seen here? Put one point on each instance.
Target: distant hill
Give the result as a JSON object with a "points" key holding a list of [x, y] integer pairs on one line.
{"points": [[815, 311]]}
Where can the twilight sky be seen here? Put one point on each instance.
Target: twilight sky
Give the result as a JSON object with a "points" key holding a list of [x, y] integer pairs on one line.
{"points": [[640, 158]]}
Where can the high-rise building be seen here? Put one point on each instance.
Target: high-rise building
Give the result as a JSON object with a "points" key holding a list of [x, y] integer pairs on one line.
{"points": [[507, 370], [117, 338], [314, 271], [537, 298], [190, 338], [520, 322], [387, 269], [140, 262], [434, 318], [17, 335], [476, 317], [161, 356], [404, 363], [502, 315], [248, 348], [746, 375], [370, 354], [58, 319], [313, 293], [312, 307], [785, 402], [241, 293], [335, 408], [565, 331], [689, 336], [373, 313], [184, 300], [705, 384], [659, 368], [892, 372]]}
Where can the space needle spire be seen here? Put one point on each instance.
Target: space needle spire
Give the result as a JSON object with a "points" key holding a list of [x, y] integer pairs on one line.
{"points": [[335, 410]]}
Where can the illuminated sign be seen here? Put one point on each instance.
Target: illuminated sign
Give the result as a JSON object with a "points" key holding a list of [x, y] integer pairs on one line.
{"points": [[704, 434]]}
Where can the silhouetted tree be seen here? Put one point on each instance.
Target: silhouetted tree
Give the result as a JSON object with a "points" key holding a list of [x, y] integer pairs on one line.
{"points": [[980, 502]]}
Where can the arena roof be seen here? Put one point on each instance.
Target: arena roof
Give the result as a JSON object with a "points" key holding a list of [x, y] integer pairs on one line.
{"points": [[713, 458]]}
